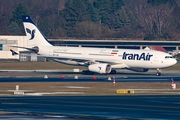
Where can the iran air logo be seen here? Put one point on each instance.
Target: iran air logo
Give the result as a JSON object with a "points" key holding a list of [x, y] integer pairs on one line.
{"points": [[142, 56], [32, 33]]}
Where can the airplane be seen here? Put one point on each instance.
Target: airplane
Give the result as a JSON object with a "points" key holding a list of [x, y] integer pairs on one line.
{"points": [[97, 60]]}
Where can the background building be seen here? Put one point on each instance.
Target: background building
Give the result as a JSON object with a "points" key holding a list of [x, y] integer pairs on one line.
{"points": [[5, 45]]}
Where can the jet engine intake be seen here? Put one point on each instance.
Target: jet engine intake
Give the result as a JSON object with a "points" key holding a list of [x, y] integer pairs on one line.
{"points": [[101, 68]]}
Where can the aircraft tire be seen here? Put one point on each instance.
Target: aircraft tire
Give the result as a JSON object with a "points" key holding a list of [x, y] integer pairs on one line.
{"points": [[113, 72]]}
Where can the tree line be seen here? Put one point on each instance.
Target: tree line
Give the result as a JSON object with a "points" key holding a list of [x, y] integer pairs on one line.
{"points": [[95, 19]]}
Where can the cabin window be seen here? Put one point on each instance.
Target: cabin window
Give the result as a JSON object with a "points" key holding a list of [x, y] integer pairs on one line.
{"points": [[169, 57]]}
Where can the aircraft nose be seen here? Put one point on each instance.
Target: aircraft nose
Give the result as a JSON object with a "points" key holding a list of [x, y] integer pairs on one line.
{"points": [[174, 61]]}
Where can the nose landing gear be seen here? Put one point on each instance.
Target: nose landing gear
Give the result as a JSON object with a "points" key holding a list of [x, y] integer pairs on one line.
{"points": [[158, 73]]}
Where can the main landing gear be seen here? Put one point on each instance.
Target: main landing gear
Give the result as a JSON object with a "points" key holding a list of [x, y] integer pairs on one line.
{"points": [[113, 72], [158, 73]]}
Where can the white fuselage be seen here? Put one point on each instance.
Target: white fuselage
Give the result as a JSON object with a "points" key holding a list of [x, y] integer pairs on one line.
{"points": [[120, 58]]}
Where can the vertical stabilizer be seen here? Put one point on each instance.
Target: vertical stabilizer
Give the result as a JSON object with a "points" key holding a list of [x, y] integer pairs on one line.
{"points": [[35, 37]]}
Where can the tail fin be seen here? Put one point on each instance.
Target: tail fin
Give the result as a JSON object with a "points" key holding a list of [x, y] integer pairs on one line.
{"points": [[35, 37]]}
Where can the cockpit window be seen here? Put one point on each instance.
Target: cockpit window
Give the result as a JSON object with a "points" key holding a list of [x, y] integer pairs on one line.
{"points": [[169, 57]]}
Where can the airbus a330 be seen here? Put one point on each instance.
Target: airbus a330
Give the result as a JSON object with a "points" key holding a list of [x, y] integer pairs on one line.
{"points": [[97, 60]]}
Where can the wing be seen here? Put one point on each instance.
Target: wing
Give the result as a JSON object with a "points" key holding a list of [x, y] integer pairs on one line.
{"points": [[87, 61], [81, 59]]}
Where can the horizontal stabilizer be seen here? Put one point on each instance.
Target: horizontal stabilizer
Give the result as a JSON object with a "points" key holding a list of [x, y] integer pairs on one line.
{"points": [[13, 52], [34, 49]]}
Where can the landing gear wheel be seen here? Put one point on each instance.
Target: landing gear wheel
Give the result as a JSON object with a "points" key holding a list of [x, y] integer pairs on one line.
{"points": [[113, 72], [158, 72]]}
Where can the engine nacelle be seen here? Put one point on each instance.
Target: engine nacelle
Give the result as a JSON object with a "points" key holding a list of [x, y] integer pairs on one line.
{"points": [[100, 68], [138, 69]]}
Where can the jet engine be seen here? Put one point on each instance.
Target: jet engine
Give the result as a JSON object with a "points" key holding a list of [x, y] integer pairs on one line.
{"points": [[138, 69], [100, 68]]}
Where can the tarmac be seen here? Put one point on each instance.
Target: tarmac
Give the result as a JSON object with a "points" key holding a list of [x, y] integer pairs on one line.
{"points": [[50, 82], [86, 88]]}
